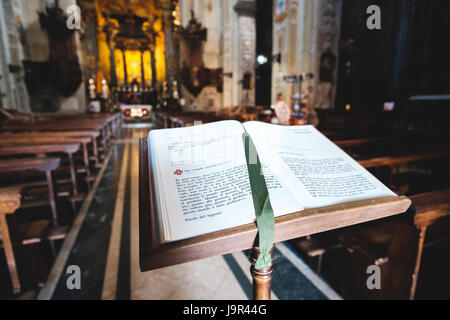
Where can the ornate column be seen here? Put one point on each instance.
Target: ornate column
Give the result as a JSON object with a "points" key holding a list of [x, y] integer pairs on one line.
{"points": [[13, 52], [169, 41], [246, 10], [307, 36], [153, 63], [1, 88], [227, 53], [125, 75], [142, 67], [110, 32], [328, 24], [112, 60], [113, 66]]}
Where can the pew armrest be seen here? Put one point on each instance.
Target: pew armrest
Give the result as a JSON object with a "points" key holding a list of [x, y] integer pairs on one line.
{"points": [[430, 207], [9, 200]]}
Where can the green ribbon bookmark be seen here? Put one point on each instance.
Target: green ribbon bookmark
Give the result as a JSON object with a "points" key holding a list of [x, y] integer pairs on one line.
{"points": [[261, 201]]}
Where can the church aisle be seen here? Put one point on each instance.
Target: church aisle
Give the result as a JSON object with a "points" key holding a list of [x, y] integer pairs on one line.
{"points": [[106, 248]]}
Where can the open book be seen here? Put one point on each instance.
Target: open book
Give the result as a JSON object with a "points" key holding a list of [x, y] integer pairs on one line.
{"points": [[200, 184]]}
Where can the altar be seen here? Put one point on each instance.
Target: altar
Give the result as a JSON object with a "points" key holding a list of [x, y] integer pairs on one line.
{"points": [[136, 112]]}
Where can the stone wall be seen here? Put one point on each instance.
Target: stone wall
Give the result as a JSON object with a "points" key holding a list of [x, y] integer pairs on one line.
{"points": [[22, 38], [13, 49], [301, 36], [230, 45]]}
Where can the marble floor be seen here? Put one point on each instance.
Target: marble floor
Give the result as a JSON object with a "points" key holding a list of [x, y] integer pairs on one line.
{"points": [[104, 244]]}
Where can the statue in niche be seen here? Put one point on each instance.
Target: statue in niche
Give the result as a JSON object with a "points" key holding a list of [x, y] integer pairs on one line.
{"points": [[92, 89], [171, 95], [105, 89], [135, 85], [327, 66], [326, 79], [164, 95], [210, 99]]}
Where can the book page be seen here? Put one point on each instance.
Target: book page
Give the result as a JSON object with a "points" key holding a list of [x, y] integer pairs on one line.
{"points": [[317, 172], [202, 178]]}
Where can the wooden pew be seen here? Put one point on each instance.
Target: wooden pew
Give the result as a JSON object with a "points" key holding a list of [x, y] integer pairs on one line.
{"points": [[334, 135], [315, 247], [397, 246], [338, 123], [362, 148], [14, 235], [41, 150], [373, 251], [58, 125], [165, 120], [61, 125], [29, 133], [245, 113], [396, 160], [189, 120], [429, 208], [371, 243], [36, 139], [358, 142], [161, 119], [9, 203], [69, 149], [47, 165], [97, 126], [111, 122], [392, 161]]}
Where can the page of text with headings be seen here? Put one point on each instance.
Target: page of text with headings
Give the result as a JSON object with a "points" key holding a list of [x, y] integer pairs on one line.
{"points": [[316, 171], [202, 180]]}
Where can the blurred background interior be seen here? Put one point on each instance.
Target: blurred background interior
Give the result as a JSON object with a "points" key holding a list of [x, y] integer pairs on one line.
{"points": [[82, 81]]}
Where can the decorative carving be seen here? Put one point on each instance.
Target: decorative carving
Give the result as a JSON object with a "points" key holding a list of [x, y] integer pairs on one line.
{"points": [[194, 32], [194, 75], [132, 33], [245, 8], [10, 201], [328, 27], [63, 53], [9, 206]]}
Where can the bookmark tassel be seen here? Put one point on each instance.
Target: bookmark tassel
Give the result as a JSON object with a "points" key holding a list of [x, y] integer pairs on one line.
{"points": [[261, 202]]}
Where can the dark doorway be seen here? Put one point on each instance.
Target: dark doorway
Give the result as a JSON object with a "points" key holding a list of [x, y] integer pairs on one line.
{"points": [[366, 57], [408, 56], [264, 48]]}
